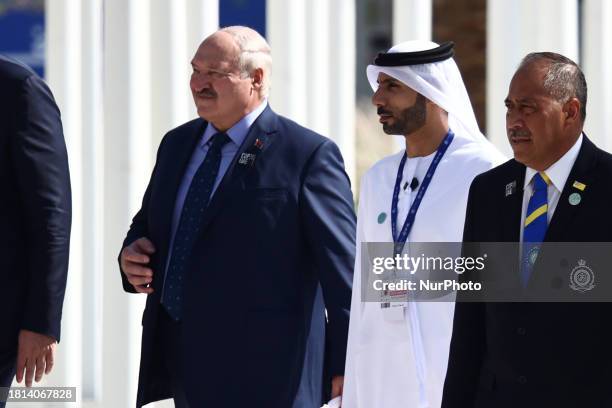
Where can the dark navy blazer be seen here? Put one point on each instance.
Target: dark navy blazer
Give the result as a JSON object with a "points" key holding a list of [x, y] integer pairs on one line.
{"points": [[276, 251], [534, 354], [35, 207]]}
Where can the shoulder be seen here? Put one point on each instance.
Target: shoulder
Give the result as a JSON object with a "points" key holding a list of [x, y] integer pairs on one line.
{"points": [[295, 134], [600, 163], [301, 145], [19, 83], [383, 167], [175, 138], [14, 71], [604, 160], [479, 156], [186, 128], [499, 174]]}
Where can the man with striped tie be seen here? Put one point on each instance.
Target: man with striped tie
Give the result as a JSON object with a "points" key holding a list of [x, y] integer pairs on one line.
{"points": [[556, 189]]}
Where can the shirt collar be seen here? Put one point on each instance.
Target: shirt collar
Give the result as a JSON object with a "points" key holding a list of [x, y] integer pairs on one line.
{"points": [[560, 170], [238, 132]]}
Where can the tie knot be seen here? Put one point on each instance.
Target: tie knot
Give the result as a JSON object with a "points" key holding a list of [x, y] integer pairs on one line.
{"points": [[540, 181], [219, 140]]}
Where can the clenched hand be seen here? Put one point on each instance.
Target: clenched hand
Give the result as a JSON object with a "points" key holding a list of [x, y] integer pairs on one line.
{"points": [[134, 259]]}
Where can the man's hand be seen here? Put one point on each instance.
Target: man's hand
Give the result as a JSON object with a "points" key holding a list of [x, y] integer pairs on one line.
{"points": [[337, 386], [134, 257], [34, 355]]}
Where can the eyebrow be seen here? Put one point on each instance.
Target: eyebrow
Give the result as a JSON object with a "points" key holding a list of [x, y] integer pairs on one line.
{"points": [[213, 68], [386, 80], [522, 100]]}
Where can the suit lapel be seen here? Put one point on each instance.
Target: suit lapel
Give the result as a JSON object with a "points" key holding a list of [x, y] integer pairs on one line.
{"points": [[262, 131], [513, 203], [565, 212]]}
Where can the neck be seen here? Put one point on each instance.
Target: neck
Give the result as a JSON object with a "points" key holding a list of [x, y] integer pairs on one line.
{"points": [[425, 140], [224, 125], [555, 156]]}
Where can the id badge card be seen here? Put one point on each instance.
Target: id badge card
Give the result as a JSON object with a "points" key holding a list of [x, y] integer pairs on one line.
{"points": [[393, 304]]}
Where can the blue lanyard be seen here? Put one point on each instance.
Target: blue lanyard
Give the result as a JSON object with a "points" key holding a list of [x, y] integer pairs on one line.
{"points": [[403, 236]]}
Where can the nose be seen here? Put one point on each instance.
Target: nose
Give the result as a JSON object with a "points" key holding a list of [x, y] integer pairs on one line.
{"points": [[377, 99], [198, 82], [514, 120]]}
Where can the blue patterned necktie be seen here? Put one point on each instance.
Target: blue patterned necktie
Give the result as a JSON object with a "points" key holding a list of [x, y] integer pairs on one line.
{"points": [[196, 201], [536, 222]]}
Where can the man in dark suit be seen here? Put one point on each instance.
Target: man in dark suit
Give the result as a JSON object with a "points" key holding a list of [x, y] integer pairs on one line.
{"points": [[244, 238], [557, 189], [35, 216]]}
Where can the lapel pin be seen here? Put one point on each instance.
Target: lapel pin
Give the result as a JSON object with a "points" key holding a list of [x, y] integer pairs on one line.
{"points": [[246, 159], [510, 188], [580, 186], [574, 199], [382, 217], [259, 143]]}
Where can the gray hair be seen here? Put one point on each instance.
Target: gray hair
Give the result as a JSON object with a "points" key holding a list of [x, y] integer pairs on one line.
{"points": [[254, 53], [564, 79]]}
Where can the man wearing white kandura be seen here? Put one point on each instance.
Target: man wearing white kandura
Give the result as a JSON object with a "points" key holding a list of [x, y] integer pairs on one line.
{"points": [[398, 351]]}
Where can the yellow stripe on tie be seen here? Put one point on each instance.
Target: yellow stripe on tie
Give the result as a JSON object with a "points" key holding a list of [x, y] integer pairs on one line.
{"points": [[545, 177], [580, 186], [535, 214]]}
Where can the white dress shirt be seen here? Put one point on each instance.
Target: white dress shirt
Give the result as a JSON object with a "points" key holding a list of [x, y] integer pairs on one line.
{"points": [[558, 174]]}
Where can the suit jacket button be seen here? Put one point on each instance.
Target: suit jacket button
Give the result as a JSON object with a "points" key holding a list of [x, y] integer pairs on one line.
{"points": [[522, 379], [521, 331]]}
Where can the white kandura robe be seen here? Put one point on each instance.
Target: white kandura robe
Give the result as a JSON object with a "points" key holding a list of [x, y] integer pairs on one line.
{"points": [[402, 363]]}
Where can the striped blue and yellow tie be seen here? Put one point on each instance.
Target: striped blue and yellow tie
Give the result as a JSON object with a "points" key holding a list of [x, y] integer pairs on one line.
{"points": [[536, 222]]}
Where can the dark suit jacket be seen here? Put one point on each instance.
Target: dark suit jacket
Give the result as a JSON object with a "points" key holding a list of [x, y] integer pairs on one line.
{"points": [[534, 354], [274, 234], [35, 208]]}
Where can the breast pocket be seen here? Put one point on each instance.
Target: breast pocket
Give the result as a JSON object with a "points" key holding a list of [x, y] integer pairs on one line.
{"points": [[266, 207]]}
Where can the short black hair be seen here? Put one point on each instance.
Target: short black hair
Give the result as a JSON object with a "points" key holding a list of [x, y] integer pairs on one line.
{"points": [[564, 79]]}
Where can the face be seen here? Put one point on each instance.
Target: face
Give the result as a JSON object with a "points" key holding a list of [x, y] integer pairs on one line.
{"points": [[221, 94], [402, 110], [535, 122]]}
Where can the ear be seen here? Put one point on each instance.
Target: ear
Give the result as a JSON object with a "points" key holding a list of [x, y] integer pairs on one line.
{"points": [[257, 78], [571, 112]]}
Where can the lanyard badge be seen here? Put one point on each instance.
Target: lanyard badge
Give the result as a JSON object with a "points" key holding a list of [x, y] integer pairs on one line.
{"points": [[393, 300]]}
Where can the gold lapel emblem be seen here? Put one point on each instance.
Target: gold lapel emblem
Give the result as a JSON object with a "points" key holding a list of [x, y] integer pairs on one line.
{"points": [[580, 186]]}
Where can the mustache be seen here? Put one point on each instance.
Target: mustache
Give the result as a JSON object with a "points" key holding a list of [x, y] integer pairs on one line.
{"points": [[381, 111], [519, 133], [208, 93]]}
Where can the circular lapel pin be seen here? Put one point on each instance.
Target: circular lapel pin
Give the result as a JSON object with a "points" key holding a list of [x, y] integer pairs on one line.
{"points": [[574, 199], [382, 217]]}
